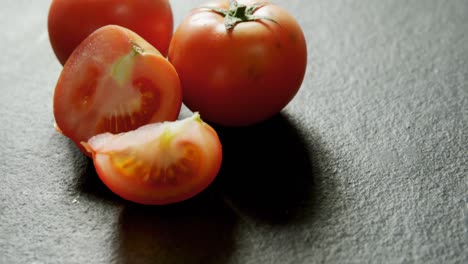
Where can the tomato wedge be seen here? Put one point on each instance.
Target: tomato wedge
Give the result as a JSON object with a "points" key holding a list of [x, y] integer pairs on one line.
{"points": [[114, 81], [158, 163]]}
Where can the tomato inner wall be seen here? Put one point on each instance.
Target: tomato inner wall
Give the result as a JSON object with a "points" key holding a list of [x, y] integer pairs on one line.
{"points": [[124, 118]]}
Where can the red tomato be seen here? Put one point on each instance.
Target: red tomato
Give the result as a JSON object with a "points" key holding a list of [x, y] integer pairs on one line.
{"points": [[158, 163], [114, 81], [239, 64], [71, 21]]}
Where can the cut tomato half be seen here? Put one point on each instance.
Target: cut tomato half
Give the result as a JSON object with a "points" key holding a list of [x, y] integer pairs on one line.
{"points": [[114, 81], [158, 163]]}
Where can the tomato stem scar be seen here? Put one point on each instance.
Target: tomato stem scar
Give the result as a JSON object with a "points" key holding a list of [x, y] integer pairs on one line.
{"points": [[121, 69], [196, 117], [136, 48], [239, 13]]}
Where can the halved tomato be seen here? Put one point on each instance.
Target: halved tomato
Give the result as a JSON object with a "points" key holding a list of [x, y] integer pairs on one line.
{"points": [[114, 81], [158, 163]]}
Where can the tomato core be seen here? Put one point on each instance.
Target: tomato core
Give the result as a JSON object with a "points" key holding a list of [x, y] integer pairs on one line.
{"points": [[123, 118], [171, 169]]}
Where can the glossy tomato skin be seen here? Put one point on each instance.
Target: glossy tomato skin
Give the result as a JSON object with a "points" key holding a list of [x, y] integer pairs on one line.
{"points": [[241, 76], [114, 81], [71, 21], [160, 163]]}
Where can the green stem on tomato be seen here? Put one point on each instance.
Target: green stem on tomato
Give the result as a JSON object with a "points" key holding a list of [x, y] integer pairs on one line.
{"points": [[239, 13]]}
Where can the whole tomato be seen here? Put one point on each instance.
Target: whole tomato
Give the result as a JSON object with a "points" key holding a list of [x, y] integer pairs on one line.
{"points": [[71, 21], [240, 62]]}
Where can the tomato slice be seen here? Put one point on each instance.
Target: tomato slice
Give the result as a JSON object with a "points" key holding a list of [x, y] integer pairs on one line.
{"points": [[158, 163], [115, 82]]}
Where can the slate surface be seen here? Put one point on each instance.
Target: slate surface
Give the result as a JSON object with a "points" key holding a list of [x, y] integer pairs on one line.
{"points": [[368, 164]]}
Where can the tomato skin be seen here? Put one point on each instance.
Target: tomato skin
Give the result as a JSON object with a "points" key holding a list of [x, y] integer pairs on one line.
{"points": [[241, 76], [71, 21], [147, 150], [107, 86]]}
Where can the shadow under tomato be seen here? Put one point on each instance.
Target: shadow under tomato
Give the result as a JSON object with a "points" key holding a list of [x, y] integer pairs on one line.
{"points": [[199, 230], [269, 174], [90, 184], [85, 182], [267, 170]]}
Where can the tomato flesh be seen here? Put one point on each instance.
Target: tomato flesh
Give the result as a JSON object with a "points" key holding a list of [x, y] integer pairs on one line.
{"points": [[123, 119], [114, 82], [158, 163]]}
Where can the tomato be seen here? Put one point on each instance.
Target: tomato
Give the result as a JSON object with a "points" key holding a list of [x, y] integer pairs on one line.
{"points": [[71, 21], [158, 163], [240, 62], [114, 81]]}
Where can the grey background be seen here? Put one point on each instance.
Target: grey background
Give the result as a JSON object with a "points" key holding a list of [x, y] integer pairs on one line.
{"points": [[368, 163]]}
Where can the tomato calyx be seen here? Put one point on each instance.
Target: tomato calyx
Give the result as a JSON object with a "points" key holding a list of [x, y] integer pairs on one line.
{"points": [[239, 13]]}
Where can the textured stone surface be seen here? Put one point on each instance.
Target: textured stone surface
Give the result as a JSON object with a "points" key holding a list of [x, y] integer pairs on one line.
{"points": [[368, 164]]}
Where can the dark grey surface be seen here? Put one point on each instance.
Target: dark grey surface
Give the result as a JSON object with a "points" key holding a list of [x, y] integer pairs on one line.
{"points": [[368, 164]]}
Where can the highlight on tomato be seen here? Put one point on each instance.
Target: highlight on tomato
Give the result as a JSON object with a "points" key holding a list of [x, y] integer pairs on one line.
{"points": [[71, 21], [159, 163], [114, 81], [239, 62]]}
